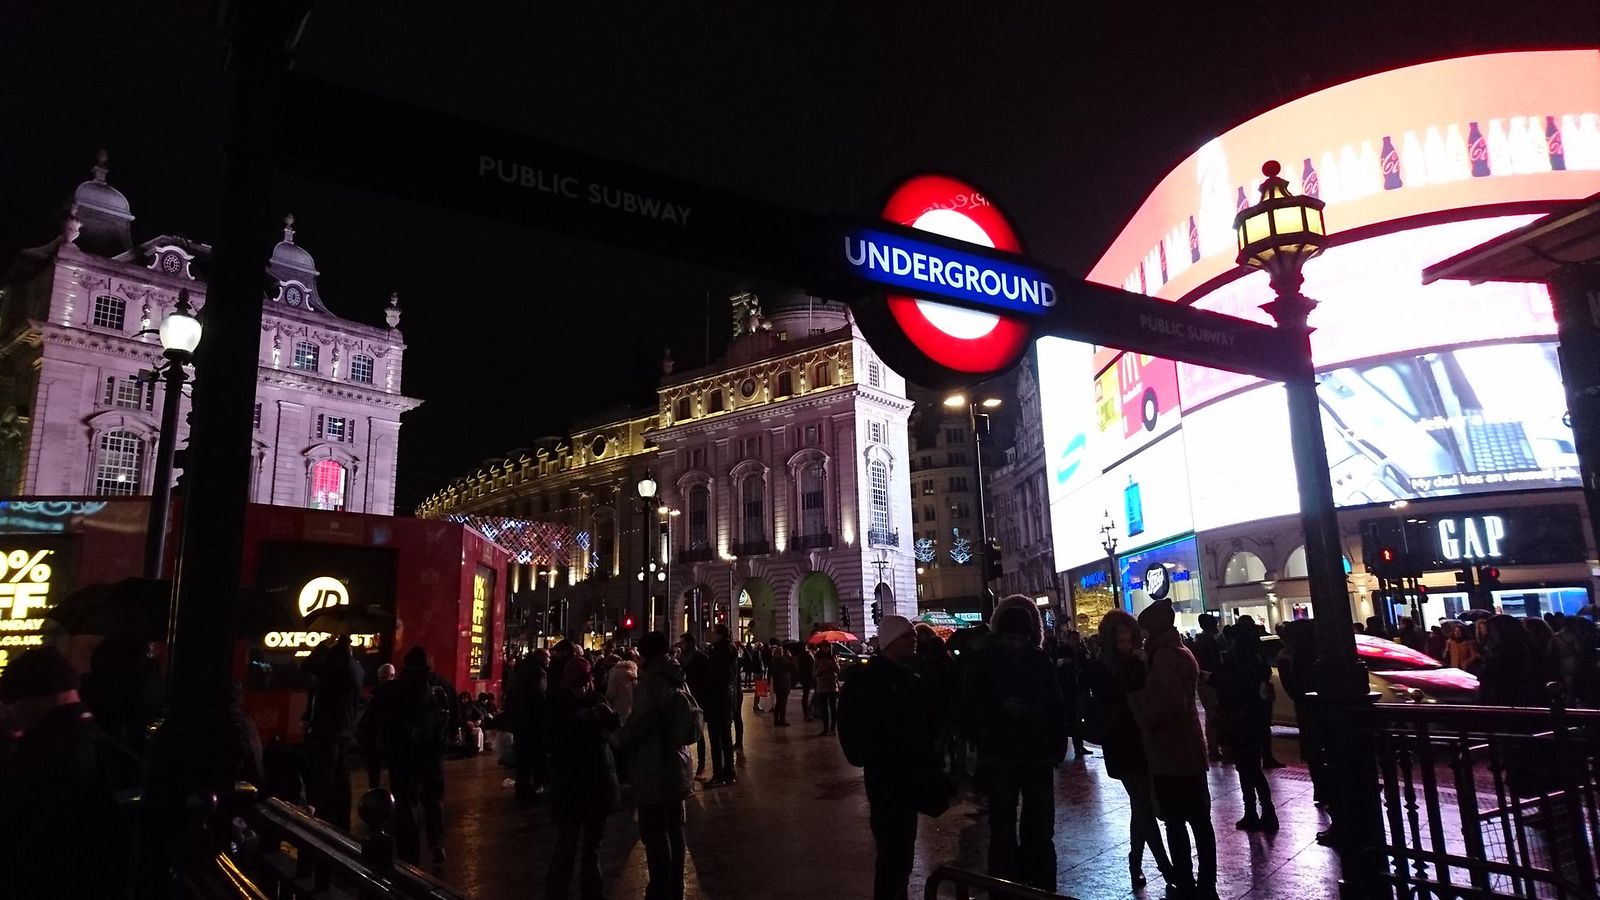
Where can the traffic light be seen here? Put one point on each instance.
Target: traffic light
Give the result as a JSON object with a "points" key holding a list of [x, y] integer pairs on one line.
{"points": [[992, 568], [1464, 581], [1386, 563], [627, 623], [1489, 579], [877, 611], [844, 617]]}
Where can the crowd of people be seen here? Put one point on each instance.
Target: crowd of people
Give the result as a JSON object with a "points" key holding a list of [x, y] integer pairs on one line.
{"points": [[997, 707]]}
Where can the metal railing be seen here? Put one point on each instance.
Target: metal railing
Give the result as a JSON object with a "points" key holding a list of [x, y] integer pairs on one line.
{"points": [[274, 849], [1482, 801], [695, 554], [751, 548], [819, 541], [883, 537], [965, 882]]}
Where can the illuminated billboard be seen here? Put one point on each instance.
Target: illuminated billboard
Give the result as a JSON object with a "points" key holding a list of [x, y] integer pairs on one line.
{"points": [[1478, 132], [1424, 392]]}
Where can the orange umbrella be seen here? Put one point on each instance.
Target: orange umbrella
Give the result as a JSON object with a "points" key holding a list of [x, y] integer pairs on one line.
{"points": [[830, 636]]}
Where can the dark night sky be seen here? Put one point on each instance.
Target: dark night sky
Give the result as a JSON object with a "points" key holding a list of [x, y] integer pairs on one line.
{"points": [[1065, 112]]}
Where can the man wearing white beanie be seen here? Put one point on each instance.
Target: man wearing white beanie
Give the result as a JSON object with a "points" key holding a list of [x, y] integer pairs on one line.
{"points": [[887, 726]]}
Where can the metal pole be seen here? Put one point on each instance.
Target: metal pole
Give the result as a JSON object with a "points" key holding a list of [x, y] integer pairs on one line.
{"points": [[1341, 679], [155, 536], [642, 623], [1115, 576], [985, 598]]}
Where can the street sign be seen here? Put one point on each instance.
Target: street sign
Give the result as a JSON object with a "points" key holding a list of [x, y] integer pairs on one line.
{"points": [[941, 286]]}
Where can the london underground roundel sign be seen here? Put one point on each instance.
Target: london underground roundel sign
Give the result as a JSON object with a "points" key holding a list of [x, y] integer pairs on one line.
{"points": [[936, 343]]}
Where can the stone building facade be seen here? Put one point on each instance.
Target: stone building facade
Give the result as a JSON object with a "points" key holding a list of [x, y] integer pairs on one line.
{"points": [[81, 412], [783, 498], [1021, 505]]}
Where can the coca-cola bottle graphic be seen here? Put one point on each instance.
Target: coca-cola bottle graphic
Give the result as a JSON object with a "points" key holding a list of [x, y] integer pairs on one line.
{"points": [[1144, 287], [1390, 160], [1194, 241], [1241, 202], [1477, 151], [1310, 185], [1552, 143], [1161, 247]]}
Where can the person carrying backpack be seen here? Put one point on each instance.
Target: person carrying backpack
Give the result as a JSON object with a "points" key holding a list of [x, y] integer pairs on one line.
{"points": [[656, 737], [414, 717], [888, 727]]}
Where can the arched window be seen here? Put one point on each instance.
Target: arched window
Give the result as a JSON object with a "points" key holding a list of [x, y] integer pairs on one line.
{"points": [[878, 480], [821, 376], [699, 517], [714, 402], [785, 384], [1244, 567], [1295, 567], [813, 488], [328, 482], [684, 409], [119, 464], [752, 491]]}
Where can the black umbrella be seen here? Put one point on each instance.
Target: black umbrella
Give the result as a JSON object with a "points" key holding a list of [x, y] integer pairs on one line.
{"points": [[132, 607]]}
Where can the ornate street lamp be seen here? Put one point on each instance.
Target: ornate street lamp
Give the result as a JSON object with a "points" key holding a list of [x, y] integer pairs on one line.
{"points": [[647, 494], [1279, 234], [1108, 540], [180, 335]]}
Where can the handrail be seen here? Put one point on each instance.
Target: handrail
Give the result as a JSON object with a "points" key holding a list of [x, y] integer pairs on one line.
{"points": [[217, 878], [996, 887]]}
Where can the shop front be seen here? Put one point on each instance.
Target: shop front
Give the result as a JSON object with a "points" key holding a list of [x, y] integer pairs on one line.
{"points": [[1090, 591], [1169, 572]]}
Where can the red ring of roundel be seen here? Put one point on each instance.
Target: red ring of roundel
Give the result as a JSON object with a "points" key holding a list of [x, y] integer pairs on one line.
{"points": [[1007, 341]]}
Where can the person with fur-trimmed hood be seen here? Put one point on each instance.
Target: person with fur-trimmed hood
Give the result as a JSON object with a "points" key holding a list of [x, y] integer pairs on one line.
{"points": [[1012, 701]]}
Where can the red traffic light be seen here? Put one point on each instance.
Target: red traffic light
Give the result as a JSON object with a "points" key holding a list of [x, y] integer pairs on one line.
{"points": [[1386, 555], [1491, 572], [627, 623]]}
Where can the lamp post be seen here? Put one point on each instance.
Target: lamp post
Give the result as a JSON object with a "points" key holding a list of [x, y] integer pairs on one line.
{"points": [[647, 494], [180, 335], [1108, 540], [1279, 235], [666, 559], [548, 573], [974, 420]]}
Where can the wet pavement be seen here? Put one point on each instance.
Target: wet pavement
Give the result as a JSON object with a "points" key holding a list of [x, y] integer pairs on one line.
{"points": [[795, 826]]}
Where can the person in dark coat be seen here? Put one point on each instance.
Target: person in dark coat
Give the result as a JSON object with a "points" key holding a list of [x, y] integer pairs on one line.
{"points": [[411, 720], [805, 662], [697, 674], [1208, 653], [61, 834], [1509, 676], [1014, 701], [899, 732], [940, 679], [583, 780], [123, 690], [559, 654], [659, 776], [525, 715], [721, 697], [782, 667], [331, 728], [1120, 670], [1244, 705], [1070, 662], [1580, 665]]}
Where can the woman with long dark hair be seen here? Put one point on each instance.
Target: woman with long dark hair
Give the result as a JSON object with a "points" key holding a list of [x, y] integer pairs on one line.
{"points": [[1109, 717]]}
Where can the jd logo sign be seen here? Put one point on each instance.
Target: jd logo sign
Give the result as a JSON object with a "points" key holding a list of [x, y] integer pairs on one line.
{"points": [[322, 593], [997, 293]]}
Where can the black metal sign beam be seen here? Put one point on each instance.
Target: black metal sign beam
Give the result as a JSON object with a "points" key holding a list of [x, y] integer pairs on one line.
{"points": [[398, 149]]}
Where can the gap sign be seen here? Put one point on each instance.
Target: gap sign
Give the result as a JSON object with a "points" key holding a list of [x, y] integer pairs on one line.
{"points": [[923, 268]]}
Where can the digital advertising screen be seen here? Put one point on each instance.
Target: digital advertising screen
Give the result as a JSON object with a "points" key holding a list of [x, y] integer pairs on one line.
{"points": [[317, 592]]}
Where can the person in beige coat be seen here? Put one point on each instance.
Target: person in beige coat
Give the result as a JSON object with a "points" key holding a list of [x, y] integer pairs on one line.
{"points": [[1175, 750]]}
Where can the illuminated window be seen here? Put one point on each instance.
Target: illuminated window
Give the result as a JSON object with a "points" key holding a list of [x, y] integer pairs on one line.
{"points": [[333, 428], [306, 355], [755, 520], [130, 393], [109, 312], [878, 478], [813, 485], [927, 486], [119, 464], [960, 510], [699, 517], [361, 369], [874, 374], [1244, 567], [328, 480]]}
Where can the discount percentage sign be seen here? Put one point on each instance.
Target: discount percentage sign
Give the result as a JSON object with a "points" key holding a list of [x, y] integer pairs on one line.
{"points": [[26, 584], [33, 568]]}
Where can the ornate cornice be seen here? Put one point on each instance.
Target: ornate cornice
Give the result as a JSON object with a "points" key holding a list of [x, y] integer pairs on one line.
{"points": [[340, 389]]}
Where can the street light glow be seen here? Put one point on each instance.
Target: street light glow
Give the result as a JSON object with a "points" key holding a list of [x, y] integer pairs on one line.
{"points": [[992, 403], [956, 401]]}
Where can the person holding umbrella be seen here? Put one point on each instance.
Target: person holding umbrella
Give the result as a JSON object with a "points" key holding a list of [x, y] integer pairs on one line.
{"points": [[826, 672]]}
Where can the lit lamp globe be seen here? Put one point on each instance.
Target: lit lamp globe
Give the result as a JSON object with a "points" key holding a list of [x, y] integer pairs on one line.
{"points": [[1280, 232], [647, 486], [180, 331]]}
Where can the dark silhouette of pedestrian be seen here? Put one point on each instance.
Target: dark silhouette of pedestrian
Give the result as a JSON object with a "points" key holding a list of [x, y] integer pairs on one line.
{"points": [[1208, 654], [940, 679], [656, 738], [1244, 701], [1580, 665], [61, 834], [722, 697], [412, 719], [888, 727], [331, 727], [697, 672], [1014, 701], [583, 785], [1509, 676], [1175, 748], [1071, 659], [781, 669], [525, 703], [826, 670], [805, 678], [1109, 719]]}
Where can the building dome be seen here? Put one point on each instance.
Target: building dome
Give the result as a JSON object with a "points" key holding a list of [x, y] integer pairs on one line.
{"points": [[100, 197], [290, 255]]}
